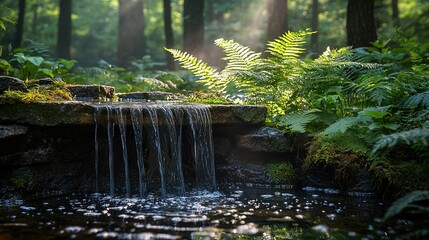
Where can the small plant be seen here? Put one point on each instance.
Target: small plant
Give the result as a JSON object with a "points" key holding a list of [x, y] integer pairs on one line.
{"points": [[280, 173], [33, 67]]}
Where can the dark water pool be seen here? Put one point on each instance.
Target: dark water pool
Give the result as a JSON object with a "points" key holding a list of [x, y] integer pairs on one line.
{"points": [[247, 211]]}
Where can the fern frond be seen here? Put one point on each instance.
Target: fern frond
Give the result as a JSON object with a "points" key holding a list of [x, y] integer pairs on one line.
{"points": [[342, 125], [373, 88], [239, 57], [297, 122], [414, 136], [418, 100], [407, 202], [288, 46], [208, 75]]}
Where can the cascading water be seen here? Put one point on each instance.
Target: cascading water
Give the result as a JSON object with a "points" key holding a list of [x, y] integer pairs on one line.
{"points": [[160, 145]]}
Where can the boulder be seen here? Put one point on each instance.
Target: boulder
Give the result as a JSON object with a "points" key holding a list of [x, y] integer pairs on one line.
{"points": [[11, 83], [7, 131], [48, 113], [265, 140], [230, 114], [91, 92]]}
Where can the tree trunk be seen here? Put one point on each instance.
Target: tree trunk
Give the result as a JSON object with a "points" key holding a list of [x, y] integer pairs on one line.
{"points": [[193, 27], [131, 31], [361, 30], [34, 19], [395, 13], [168, 30], [315, 25], [277, 18], [19, 25], [64, 29]]}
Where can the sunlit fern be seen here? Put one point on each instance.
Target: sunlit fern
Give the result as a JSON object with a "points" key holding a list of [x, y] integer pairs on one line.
{"points": [[246, 71], [288, 46], [208, 75]]}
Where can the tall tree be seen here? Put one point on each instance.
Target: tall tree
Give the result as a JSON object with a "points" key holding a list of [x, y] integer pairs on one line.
{"points": [[277, 18], [395, 13], [361, 30], [19, 24], [168, 31], [315, 25], [131, 31], [193, 27], [64, 29]]}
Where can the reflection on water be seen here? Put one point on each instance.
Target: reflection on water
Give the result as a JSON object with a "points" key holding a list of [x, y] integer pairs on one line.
{"points": [[246, 212]]}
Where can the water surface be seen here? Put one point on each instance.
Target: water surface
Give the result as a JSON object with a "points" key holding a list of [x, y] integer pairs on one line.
{"points": [[247, 211]]}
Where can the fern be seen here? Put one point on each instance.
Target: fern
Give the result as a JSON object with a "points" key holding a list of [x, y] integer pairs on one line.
{"points": [[208, 75], [239, 57], [342, 125], [288, 46], [413, 136], [418, 100], [405, 203], [297, 122]]}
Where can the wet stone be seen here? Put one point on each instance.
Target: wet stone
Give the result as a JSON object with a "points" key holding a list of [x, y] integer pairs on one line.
{"points": [[91, 92], [11, 83], [7, 131], [148, 96], [265, 140], [47, 81]]}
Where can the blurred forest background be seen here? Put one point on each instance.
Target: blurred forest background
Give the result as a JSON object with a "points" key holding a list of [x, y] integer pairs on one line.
{"points": [[119, 31]]}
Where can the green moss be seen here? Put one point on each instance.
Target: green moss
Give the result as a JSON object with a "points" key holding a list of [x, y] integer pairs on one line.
{"points": [[35, 95], [402, 170], [280, 173], [18, 182], [328, 153], [206, 98]]}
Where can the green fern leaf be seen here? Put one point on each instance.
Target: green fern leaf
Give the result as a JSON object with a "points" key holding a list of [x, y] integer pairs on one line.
{"points": [[208, 75], [404, 203], [413, 136], [288, 46], [418, 100], [297, 122], [239, 57], [342, 125]]}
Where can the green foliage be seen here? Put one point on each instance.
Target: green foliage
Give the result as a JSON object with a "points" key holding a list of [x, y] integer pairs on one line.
{"points": [[280, 173], [208, 75], [126, 80], [420, 100], [410, 137], [34, 67], [288, 46], [297, 122], [249, 77], [413, 207]]}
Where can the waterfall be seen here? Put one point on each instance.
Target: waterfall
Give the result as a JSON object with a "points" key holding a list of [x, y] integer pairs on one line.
{"points": [[171, 145]]}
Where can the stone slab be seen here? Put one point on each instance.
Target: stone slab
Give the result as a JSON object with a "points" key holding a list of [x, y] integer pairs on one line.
{"points": [[82, 113]]}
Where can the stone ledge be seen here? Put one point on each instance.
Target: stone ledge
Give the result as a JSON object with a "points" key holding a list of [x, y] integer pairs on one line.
{"points": [[47, 113], [82, 113]]}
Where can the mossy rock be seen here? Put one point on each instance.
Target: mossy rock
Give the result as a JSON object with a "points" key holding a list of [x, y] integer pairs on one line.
{"points": [[47, 113]]}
